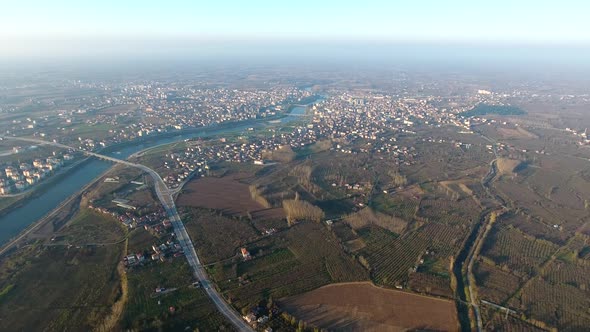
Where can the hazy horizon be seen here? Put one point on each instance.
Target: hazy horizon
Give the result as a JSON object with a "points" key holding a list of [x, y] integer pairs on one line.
{"points": [[539, 60], [65, 29]]}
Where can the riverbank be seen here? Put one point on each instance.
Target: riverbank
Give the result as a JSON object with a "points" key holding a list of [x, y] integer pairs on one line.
{"points": [[45, 220]]}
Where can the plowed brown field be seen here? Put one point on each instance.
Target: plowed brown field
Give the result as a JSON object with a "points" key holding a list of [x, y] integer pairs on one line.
{"points": [[365, 307]]}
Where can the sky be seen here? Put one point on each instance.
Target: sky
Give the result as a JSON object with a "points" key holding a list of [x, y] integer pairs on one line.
{"points": [[66, 26]]}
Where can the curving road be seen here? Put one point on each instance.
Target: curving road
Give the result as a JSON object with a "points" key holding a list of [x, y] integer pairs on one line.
{"points": [[182, 236]]}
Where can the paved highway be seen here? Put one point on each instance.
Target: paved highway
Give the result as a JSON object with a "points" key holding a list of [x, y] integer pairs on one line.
{"points": [[182, 236]]}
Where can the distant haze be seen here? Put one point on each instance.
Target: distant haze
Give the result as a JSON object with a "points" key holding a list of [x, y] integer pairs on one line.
{"points": [[543, 33], [453, 55], [29, 25]]}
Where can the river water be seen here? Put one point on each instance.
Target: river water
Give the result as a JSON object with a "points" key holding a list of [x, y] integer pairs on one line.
{"points": [[14, 222]]}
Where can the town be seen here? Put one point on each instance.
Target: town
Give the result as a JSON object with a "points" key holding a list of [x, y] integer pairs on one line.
{"points": [[348, 124]]}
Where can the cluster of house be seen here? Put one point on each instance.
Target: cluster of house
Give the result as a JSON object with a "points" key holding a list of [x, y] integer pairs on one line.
{"points": [[373, 120], [164, 250], [159, 252], [155, 222], [182, 107], [259, 315], [14, 179], [584, 137], [269, 231], [245, 254], [184, 165], [342, 120]]}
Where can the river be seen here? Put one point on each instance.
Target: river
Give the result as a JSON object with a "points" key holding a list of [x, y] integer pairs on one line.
{"points": [[33, 209]]}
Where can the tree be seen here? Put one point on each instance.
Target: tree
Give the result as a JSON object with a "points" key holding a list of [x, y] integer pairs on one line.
{"points": [[302, 210], [244, 311], [397, 179], [301, 325]]}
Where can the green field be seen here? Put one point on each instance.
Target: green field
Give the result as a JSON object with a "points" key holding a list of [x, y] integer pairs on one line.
{"points": [[305, 257], [484, 109], [78, 284], [193, 309], [92, 228]]}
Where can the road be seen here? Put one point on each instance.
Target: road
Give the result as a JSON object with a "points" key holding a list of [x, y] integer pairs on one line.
{"points": [[189, 250], [182, 236]]}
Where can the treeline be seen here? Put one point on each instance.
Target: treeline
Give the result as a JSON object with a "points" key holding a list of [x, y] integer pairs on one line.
{"points": [[367, 216], [302, 210], [283, 154], [303, 174], [321, 145], [256, 195], [397, 179], [300, 324]]}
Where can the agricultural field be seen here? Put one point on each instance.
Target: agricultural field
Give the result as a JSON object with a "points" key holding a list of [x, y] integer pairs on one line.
{"points": [[495, 284], [498, 321], [364, 307], [408, 235], [228, 195], [555, 193], [88, 227], [217, 237], [450, 212], [431, 284], [535, 227], [147, 310], [393, 260], [398, 205], [515, 251], [507, 166], [557, 296], [440, 159], [80, 287], [556, 305], [412, 239], [302, 258], [338, 183], [516, 133], [533, 259], [279, 182], [465, 188], [367, 216], [569, 271]]}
